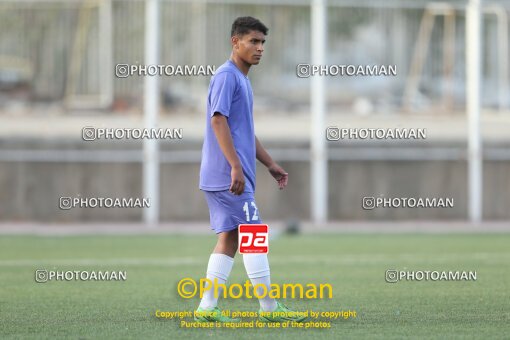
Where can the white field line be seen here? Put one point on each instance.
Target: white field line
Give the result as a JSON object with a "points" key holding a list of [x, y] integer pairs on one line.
{"points": [[367, 259]]}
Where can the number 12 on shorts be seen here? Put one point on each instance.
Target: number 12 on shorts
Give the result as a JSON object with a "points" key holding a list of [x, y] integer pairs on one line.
{"points": [[246, 209], [253, 238]]}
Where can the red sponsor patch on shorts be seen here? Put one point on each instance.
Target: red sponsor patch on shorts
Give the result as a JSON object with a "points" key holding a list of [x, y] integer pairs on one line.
{"points": [[253, 238]]}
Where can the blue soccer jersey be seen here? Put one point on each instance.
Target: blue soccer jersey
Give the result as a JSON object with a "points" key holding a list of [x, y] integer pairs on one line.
{"points": [[230, 94]]}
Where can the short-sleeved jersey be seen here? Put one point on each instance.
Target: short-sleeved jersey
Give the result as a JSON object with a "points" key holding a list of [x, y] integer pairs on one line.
{"points": [[230, 94]]}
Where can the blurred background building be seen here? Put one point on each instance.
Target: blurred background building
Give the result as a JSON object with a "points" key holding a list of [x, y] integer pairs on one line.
{"points": [[57, 75]]}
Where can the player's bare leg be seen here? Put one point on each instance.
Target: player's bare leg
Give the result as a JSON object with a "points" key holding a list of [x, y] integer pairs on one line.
{"points": [[227, 243]]}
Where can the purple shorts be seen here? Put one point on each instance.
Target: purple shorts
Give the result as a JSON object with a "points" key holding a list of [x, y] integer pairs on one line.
{"points": [[227, 210]]}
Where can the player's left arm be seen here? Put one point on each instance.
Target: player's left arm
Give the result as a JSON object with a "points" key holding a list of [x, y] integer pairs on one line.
{"points": [[281, 176]]}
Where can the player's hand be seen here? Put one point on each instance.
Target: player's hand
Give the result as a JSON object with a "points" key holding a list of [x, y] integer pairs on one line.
{"points": [[281, 176], [237, 185]]}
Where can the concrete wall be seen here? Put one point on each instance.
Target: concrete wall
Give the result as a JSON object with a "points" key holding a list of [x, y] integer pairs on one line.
{"points": [[31, 189]]}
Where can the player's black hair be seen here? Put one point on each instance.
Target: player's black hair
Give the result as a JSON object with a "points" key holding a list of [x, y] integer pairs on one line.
{"points": [[244, 25]]}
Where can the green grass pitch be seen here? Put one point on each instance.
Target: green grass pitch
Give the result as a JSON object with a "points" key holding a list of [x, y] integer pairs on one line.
{"points": [[354, 264]]}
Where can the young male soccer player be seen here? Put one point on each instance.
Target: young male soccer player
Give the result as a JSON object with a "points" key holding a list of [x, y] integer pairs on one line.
{"points": [[227, 172]]}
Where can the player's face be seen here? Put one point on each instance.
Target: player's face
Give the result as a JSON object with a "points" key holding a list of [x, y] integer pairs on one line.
{"points": [[250, 47]]}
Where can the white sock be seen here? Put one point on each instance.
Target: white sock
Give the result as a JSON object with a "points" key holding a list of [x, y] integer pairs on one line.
{"points": [[219, 268], [257, 268]]}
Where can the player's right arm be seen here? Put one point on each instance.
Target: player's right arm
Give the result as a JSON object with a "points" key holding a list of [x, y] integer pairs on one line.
{"points": [[224, 137]]}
